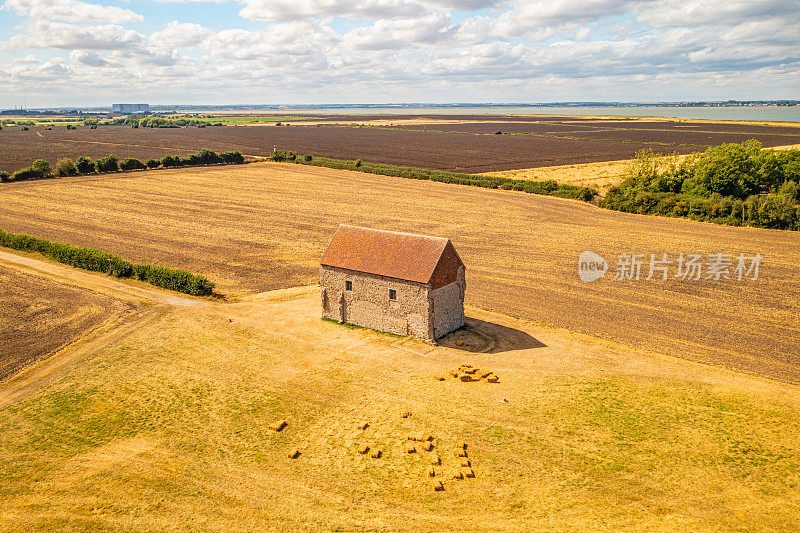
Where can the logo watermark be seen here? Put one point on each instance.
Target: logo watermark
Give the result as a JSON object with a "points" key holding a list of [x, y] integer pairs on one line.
{"points": [[683, 266], [591, 266]]}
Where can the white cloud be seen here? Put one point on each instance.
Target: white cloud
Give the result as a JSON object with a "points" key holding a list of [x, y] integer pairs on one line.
{"points": [[47, 34], [180, 35], [279, 43], [693, 13], [71, 11], [413, 50], [87, 57], [288, 10], [400, 33]]}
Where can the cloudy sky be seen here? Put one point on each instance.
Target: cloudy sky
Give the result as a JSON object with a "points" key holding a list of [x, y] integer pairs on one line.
{"points": [[75, 52]]}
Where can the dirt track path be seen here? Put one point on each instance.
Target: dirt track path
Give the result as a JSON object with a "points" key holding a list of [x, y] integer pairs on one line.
{"points": [[93, 281], [47, 370], [110, 331]]}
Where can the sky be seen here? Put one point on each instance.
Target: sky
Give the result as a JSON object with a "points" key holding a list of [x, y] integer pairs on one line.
{"points": [[93, 53]]}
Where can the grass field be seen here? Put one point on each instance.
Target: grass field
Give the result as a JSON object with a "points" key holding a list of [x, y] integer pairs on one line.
{"points": [[264, 226], [165, 428]]}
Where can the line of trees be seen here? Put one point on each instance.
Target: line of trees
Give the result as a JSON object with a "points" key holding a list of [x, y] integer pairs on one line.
{"points": [[84, 165], [733, 184], [151, 122], [99, 261], [547, 187]]}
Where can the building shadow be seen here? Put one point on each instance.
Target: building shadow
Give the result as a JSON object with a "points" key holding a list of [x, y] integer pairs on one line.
{"points": [[481, 336]]}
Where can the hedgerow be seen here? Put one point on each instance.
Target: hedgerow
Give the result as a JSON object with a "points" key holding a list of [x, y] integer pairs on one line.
{"points": [[549, 187], [83, 165], [99, 261]]}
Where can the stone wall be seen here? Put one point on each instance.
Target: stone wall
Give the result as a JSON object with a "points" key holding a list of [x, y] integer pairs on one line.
{"points": [[448, 306], [368, 303]]}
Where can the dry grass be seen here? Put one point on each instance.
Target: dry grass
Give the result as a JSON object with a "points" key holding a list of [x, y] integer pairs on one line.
{"points": [[600, 176], [265, 226], [168, 429]]}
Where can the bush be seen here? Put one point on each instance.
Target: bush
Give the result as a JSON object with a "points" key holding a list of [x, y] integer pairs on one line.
{"points": [[191, 160], [170, 161], [209, 157], [24, 174], [65, 167], [176, 280], [719, 185], [85, 165], [71, 127], [283, 155], [109, 163], [98, 261], [39, 169], [130, 163], [24, 128], [728, 170], [42, 168], [152, 163], [308, 157], [232, 158], [4, 177]]}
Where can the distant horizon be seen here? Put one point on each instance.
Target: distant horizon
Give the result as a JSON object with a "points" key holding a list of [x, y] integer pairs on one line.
{"points": [[401, 105]]}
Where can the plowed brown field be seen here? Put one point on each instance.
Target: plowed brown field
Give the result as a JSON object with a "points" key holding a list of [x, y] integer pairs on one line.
{"points": [[467, 146], [265, 226]]}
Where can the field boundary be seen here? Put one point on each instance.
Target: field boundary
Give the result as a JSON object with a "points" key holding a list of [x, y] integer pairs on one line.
{"points": [[99, 261], [545, 188]]}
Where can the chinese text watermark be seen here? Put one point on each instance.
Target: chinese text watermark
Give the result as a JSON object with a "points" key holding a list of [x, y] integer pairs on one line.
{"points": [[683, 266]]}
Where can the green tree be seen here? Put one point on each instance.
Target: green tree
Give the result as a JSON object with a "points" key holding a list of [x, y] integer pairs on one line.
{"points": [[42, 168], [129, 163], [109, 163], [728, 170], [65, 167], [85, 165]]}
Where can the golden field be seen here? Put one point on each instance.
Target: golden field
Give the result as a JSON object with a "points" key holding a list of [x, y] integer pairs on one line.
{"points": [[160, 423], [264, 226]]}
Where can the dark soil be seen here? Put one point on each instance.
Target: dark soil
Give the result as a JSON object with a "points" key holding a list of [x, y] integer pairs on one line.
{"points": [[464, 147]]}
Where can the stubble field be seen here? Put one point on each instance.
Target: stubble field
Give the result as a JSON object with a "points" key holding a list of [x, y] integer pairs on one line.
{"points": [[164, 427], [39, 316], [264, 226]]}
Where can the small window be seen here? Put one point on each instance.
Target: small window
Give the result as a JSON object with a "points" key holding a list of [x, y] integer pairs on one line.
{"points": [[348, 285], [392, 295]]}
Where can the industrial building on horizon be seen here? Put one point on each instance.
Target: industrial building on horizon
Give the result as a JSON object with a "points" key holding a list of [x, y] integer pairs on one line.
{"points": [[130, 108]]}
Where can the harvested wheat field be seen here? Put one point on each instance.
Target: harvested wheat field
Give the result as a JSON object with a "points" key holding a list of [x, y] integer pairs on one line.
{"points": [[167, 427], [39, 316], [264, 226], [600, 176]]}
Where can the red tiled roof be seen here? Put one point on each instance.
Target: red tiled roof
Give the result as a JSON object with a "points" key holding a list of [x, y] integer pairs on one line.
{"points": [[392, 254]]}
